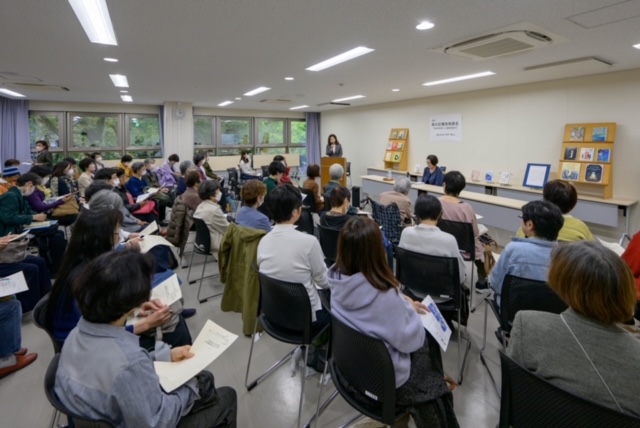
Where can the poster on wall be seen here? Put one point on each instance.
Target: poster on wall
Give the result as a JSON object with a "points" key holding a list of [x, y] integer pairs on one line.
{"points": [[446, 127]]}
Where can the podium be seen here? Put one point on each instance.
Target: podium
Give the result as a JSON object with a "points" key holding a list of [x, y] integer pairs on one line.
{"points": [[325, 164]]}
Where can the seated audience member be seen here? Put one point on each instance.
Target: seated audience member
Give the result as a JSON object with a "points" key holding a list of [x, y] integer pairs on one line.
{"points": [[336, 172], [252, 195], [185, 167], [136, 186], [207, 168], [43, 155], [290, 255], [198, 161], [400, 196], [107, 174], [246, 172], [151, 176], [432, 173], [190, 196], [88, 167], [129, 202], [454, 209], [211, 213], [103, 373], [11, 163], [276, 172], [427, 238], [583, 350], [167, 175], [564, 195], [366, 296], [74, 167], [313, 172], [285, 179], [338, 215], [13, 356], [36, 275], [62, 182], [40, 203], [632, 257], [97, 157], [125, 165], [10, 175], [97, 232], [101, 196], [529, 258]]}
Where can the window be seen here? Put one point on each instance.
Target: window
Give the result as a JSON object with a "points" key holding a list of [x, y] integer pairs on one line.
{"points": [[203, 132], [298, 132], [143, 131], [235, 132], [46, 126], [271, 132], [94, 131], [271, 150]]}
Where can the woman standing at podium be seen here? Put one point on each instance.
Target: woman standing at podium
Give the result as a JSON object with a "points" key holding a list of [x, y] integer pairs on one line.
{"points": [[334, 148]]}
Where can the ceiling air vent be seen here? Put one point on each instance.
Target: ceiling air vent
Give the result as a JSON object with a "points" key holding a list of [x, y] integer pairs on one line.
{"points": [[498, 44], [275, 101], [35, 87]]}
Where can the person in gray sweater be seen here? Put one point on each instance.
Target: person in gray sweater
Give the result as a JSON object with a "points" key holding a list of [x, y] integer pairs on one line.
{"points": [[584, 350]]}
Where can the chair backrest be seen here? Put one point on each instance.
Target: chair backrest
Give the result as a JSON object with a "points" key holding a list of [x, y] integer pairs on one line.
{"points": [[463, 232], [432, 275], [305, 222], [528, 401], [308, 200], [522, 294], [388, 216], [329, 242], [365, 364], [203, 238], [265, 171], [233, 181], [286, 305], [40, 320], [348, 168], [49, 384]]}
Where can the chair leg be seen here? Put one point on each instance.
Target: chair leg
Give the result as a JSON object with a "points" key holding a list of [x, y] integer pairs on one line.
{"points": [[484, 345], [473, 287], [466, 352], [303, 372], [271, 369], [54, 418], [253, 337], [190, 264]]}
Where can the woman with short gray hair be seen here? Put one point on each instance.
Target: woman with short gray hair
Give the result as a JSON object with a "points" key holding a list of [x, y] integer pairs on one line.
{"points": [[399, 196]]}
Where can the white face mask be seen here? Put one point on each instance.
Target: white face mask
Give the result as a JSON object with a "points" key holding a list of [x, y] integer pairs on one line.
{"points": [[29, 192], [99, 160], [71, 172], [218, 195], [116, 182]]}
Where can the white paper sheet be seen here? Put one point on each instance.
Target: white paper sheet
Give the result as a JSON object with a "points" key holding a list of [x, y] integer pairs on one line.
{"points": [[151, 241], [212, 341], [168, 292], [613, 246], [435, 324], [143, 197], [13, 284], [536, 176], [153, 227], [18, 237]]}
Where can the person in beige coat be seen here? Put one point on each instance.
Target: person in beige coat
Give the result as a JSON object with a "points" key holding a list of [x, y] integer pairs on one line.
{"points": [[211, 213]]}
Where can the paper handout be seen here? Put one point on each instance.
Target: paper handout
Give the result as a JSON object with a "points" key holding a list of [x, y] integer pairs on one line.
{"points": [[212, 341], [613, 246], [149, 229], [13, 284], [22, 235], [435, 324], [151, 241], [168, 292], [142, 197]]}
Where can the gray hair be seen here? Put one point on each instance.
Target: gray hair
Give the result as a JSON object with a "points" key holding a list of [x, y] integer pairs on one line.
{"points": [[402, 185], [185, 166], [336, 171], [106, 199], [149, 161]]}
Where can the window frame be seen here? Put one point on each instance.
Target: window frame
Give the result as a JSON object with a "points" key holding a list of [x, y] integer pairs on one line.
{"points": [[62, 131], [119, 132], [127, 133], [219, 146], [214, 138]]}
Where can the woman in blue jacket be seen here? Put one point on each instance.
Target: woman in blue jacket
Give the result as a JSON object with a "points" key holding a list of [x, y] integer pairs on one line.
{"points": [[432, 173]]}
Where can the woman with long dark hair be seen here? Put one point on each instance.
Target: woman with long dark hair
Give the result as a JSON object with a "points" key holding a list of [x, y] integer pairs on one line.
{"points": [[62, 182], [334, 148]]}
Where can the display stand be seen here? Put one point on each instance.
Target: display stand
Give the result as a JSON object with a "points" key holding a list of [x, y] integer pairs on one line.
{"points": [[397, 153], [587, 157], [325, 165]]}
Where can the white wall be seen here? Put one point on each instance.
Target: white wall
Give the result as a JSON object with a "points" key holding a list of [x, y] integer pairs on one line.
{"points": [[503, 129]]}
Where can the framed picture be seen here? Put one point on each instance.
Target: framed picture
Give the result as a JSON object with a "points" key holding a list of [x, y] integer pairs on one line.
{"points": [[394, 134], [536, 175], [402, 134]]}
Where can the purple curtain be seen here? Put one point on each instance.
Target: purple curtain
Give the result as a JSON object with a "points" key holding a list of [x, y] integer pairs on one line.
{"points": [[14, 130], [314, 145]]}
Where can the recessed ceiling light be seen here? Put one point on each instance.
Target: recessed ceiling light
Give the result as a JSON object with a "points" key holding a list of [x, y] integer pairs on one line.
{"points": [[457, 79], [298, 107], [11, 93], [425, 25], [238, 98], [110, 59], [346, 56], [225, 103], [124, 92], [355, 97], [637, 46], [256, 91], [94, 17], [126, 98], [119, 80], [395, 90], [288, 78]]}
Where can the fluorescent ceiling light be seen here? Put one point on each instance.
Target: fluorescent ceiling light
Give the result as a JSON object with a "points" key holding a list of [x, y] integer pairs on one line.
{"points": [[637, 46], [355, 97], [94, 17], [11, 93], [124, 92], [110, 59], [298, 107], [119, 80], [288, 78], [238, 98], [225, 103], [425, 25], [457, 79], [256, 91], [126, 98], [395, 90], [346, 56]]}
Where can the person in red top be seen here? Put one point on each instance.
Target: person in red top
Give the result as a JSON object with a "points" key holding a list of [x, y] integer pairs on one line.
{"points": [[632, 257], [285, 178]]}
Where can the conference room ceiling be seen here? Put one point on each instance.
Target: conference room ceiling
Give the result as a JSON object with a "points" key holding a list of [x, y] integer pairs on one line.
{"points": [[207, 51]]}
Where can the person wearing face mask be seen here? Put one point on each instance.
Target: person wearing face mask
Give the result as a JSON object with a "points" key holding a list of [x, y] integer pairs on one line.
{"points": [[43, 156], [9, 177], [253, 193], [190, 196], [125, 165], [62, 182], [74, 167], [136, 187], [246, 172], [211, 213], [165, 196], [97, 157], [40, 202]]}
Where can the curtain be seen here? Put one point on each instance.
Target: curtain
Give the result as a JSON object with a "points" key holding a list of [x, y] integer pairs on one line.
{"points": [[161, 122], [14, 130], [314, 145]]}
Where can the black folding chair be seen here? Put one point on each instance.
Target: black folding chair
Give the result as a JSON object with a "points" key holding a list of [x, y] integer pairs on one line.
{"points": [[265, 171], [285, 316], [528, 401], [305, 222], [49, 384], [202, 246], [363, 363], [329, 243], [308, 199], [438, 277], [388, 216]]}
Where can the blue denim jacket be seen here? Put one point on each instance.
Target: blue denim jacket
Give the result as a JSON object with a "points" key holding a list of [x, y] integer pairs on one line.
{"points": [[524, 257]]}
